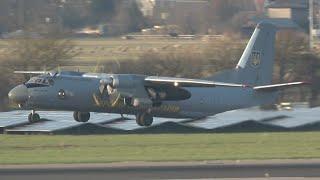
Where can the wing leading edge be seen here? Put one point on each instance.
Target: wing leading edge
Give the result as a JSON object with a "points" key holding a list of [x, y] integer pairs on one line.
{"points": [[183, 82], [31, 72]]}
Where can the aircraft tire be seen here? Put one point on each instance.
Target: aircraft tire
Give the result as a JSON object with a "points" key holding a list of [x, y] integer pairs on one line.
{"points": [[32, 118], [147, 119], [75, 116], [83, 116], [144, 119], [138, 119]]}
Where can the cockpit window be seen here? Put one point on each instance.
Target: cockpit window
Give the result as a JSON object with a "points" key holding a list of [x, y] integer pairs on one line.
{"points": [[39, 82]]}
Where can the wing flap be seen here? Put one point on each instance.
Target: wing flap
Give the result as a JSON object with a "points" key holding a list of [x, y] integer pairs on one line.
{"points": [[277, 87], [184, 82]]}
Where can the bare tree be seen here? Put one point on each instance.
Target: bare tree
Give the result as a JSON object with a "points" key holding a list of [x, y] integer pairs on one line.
{"points": [[129, 17], [224, 53], [308, 68], [290, 45], [4, 84], [38, 54], [183, 63], [295, 62]]}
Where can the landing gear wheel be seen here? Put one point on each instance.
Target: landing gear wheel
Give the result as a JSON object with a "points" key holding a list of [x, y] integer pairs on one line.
{"points": [[138, 120], [75, 116], [144, 119], [81, 116], [147, 119], [33, 117]]}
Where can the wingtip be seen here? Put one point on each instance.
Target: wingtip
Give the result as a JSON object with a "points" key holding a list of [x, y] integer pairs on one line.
{"points": [[306, 82]]}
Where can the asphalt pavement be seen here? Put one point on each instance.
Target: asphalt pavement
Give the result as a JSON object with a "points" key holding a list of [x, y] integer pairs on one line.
{"points": [[209, 170]]}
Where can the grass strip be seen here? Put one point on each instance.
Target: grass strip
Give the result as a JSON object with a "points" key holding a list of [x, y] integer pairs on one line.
{"points": [[40, 149]]}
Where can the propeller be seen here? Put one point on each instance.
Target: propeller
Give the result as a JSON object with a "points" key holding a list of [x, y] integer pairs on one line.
{"points": [[104, 83], [108, 92]]}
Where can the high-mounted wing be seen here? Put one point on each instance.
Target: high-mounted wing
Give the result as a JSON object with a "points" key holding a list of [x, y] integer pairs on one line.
{"points": [[277, 87], [183, 82], [51, 73], [31, 72]]}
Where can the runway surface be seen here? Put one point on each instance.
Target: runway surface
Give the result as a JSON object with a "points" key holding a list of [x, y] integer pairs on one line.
{"points": [[263, 170], [252, 119]]}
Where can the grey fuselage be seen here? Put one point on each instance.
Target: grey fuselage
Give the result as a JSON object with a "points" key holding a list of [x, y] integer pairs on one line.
{"points": [[203, 101]]}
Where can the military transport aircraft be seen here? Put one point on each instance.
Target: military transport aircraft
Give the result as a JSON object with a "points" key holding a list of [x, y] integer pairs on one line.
{"points": [[248, 84]]}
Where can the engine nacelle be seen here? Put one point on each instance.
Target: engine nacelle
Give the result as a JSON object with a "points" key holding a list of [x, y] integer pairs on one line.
{"points": [[129, 88], [125, 81]]}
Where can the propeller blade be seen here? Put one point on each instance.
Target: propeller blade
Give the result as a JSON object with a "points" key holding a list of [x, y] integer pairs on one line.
{"points": [[101, 88], [114, 98], [105, 83], [108, 94]]}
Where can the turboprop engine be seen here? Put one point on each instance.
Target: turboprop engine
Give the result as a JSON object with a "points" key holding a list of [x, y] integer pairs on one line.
{"points": [[124, 89]]}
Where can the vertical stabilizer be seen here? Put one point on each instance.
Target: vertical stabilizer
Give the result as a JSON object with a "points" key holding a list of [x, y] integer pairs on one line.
{"points": [[255, 66]]}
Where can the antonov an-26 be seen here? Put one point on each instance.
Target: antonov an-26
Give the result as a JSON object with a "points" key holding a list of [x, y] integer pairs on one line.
{"points": [[248, 84]]}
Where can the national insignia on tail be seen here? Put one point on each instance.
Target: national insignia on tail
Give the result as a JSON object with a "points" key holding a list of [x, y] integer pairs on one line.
{"points": [[255, 59]]}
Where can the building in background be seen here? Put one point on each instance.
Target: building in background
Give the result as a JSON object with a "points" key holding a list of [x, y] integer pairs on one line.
{"points": [[304, 13], [147, 7], [285, 11], [171, 11], [188, 14]]}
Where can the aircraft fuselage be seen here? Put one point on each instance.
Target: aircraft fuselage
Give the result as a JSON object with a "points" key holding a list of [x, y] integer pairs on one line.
{"points": [[203, 102]]}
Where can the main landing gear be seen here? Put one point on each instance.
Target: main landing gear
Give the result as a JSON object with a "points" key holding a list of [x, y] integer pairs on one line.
{"points": [[33, 117], [81, 116], [144, 119]]}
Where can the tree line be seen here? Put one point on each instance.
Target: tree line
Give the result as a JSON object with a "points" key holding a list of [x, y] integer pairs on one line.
{"points": [[221, 15]]}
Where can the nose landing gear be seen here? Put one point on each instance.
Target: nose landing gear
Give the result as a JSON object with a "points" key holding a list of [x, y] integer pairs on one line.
{"points": [[33, 117], [144, 119], [81, 116]]}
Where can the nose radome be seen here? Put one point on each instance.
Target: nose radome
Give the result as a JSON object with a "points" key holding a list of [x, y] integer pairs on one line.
{"points": [[19, 94]]}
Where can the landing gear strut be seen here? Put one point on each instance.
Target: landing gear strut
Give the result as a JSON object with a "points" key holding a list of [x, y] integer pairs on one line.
{"points": [[33, 117], [81, 116], [144, 119]]}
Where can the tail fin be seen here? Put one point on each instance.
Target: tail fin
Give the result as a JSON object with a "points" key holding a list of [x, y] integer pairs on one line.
{"points": [[255, 66]]}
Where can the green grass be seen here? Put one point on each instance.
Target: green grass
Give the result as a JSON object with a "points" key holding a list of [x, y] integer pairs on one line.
{"points": [[117, 148]]}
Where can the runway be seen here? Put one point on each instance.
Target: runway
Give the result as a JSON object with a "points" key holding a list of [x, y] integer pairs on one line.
{"points": [[300, 118], [281, 171]]}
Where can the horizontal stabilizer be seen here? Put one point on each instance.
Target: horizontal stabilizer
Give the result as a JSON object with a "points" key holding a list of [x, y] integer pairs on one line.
{"points": [[183, 82], [277, 87]]}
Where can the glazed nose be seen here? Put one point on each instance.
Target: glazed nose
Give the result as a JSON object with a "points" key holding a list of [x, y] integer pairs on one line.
{"points": [[19, 94]]}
